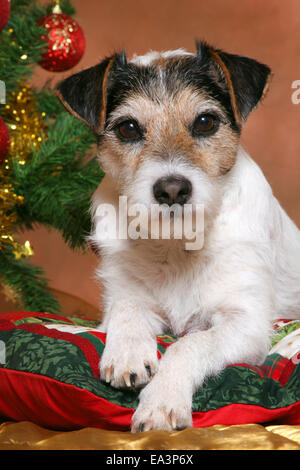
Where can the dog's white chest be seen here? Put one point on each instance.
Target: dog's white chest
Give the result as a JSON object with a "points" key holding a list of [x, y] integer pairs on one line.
{"points": [[174, 281]]}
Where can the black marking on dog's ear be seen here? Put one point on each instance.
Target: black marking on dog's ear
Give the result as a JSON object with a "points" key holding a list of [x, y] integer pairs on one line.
{"points": [[121, 58], [246, 79], [84, 94], [250, 81], [202, 51]]}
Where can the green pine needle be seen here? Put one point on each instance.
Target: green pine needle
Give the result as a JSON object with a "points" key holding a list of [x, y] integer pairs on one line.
{"points": [[57, 185], [28, 284], [59, 178]]}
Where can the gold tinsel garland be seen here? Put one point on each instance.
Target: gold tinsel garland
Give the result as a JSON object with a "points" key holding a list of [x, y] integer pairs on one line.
{"points": [[27, 130], [26, 125]]}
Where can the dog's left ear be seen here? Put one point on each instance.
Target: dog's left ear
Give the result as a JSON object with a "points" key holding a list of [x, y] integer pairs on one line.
{"points": [[84, 94], [246, 79]]}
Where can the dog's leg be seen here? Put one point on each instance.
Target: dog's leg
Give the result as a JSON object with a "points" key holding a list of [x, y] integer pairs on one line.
{"points": [[130, 355], [165, 403], [239, 333]]}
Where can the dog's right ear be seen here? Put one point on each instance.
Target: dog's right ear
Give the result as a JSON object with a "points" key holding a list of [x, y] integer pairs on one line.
{"points": [[84, 94]]}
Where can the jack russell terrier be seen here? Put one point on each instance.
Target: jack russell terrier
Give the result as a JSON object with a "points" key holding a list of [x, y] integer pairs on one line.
{"points": [[168, 126]]}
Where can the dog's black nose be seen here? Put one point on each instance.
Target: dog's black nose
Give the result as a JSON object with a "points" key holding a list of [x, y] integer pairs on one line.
{"points": [[173, 189]]}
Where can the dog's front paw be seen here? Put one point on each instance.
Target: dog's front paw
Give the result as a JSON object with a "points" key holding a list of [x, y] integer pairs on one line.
{"points": [[161, 408], [130, 363]]}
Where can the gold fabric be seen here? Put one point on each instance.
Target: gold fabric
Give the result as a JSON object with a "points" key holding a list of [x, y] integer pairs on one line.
{"points": [[25, 435]]}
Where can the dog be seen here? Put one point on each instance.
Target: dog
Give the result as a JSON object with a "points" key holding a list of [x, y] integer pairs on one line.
{"points": [[168, 128]]}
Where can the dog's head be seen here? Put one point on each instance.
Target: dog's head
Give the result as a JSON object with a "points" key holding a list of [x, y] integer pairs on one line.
{"points": [[168, 124]]}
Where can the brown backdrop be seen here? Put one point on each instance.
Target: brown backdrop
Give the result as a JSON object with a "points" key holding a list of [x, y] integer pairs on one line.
{"points": [[268, 31]]}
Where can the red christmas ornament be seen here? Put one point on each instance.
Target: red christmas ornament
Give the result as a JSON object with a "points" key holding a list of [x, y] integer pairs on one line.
{"points": [[4, 13], [66, 42], [4, 140]]}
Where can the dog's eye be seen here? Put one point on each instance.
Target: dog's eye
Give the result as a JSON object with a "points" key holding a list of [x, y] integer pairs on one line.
{"points": [[204, 125], [129, 130]]}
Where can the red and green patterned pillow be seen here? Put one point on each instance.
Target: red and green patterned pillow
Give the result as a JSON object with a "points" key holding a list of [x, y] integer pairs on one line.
{"points": [[49, 375]]}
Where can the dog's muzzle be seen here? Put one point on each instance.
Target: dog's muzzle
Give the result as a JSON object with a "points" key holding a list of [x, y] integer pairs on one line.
{"points": [[174, 189]]}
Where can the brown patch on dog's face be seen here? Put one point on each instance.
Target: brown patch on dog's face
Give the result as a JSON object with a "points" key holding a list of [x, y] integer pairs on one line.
{"points": [[220, 153], [166, 122]]}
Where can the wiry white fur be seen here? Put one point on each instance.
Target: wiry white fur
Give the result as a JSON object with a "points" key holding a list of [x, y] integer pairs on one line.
{"points": [[220, 300], [224, 296], [148, 58]]}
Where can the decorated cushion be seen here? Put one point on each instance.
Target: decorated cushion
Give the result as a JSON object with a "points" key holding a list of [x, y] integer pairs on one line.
{"points": [[49, 375]]}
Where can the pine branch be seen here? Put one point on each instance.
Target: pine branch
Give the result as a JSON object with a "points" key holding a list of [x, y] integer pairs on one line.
{"points": [[48, 103], [57, 181], [20, 43], [28, 283], [57, 184]]}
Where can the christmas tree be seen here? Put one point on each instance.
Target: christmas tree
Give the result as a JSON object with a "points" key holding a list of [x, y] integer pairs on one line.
{"points": [[47, 169]]}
